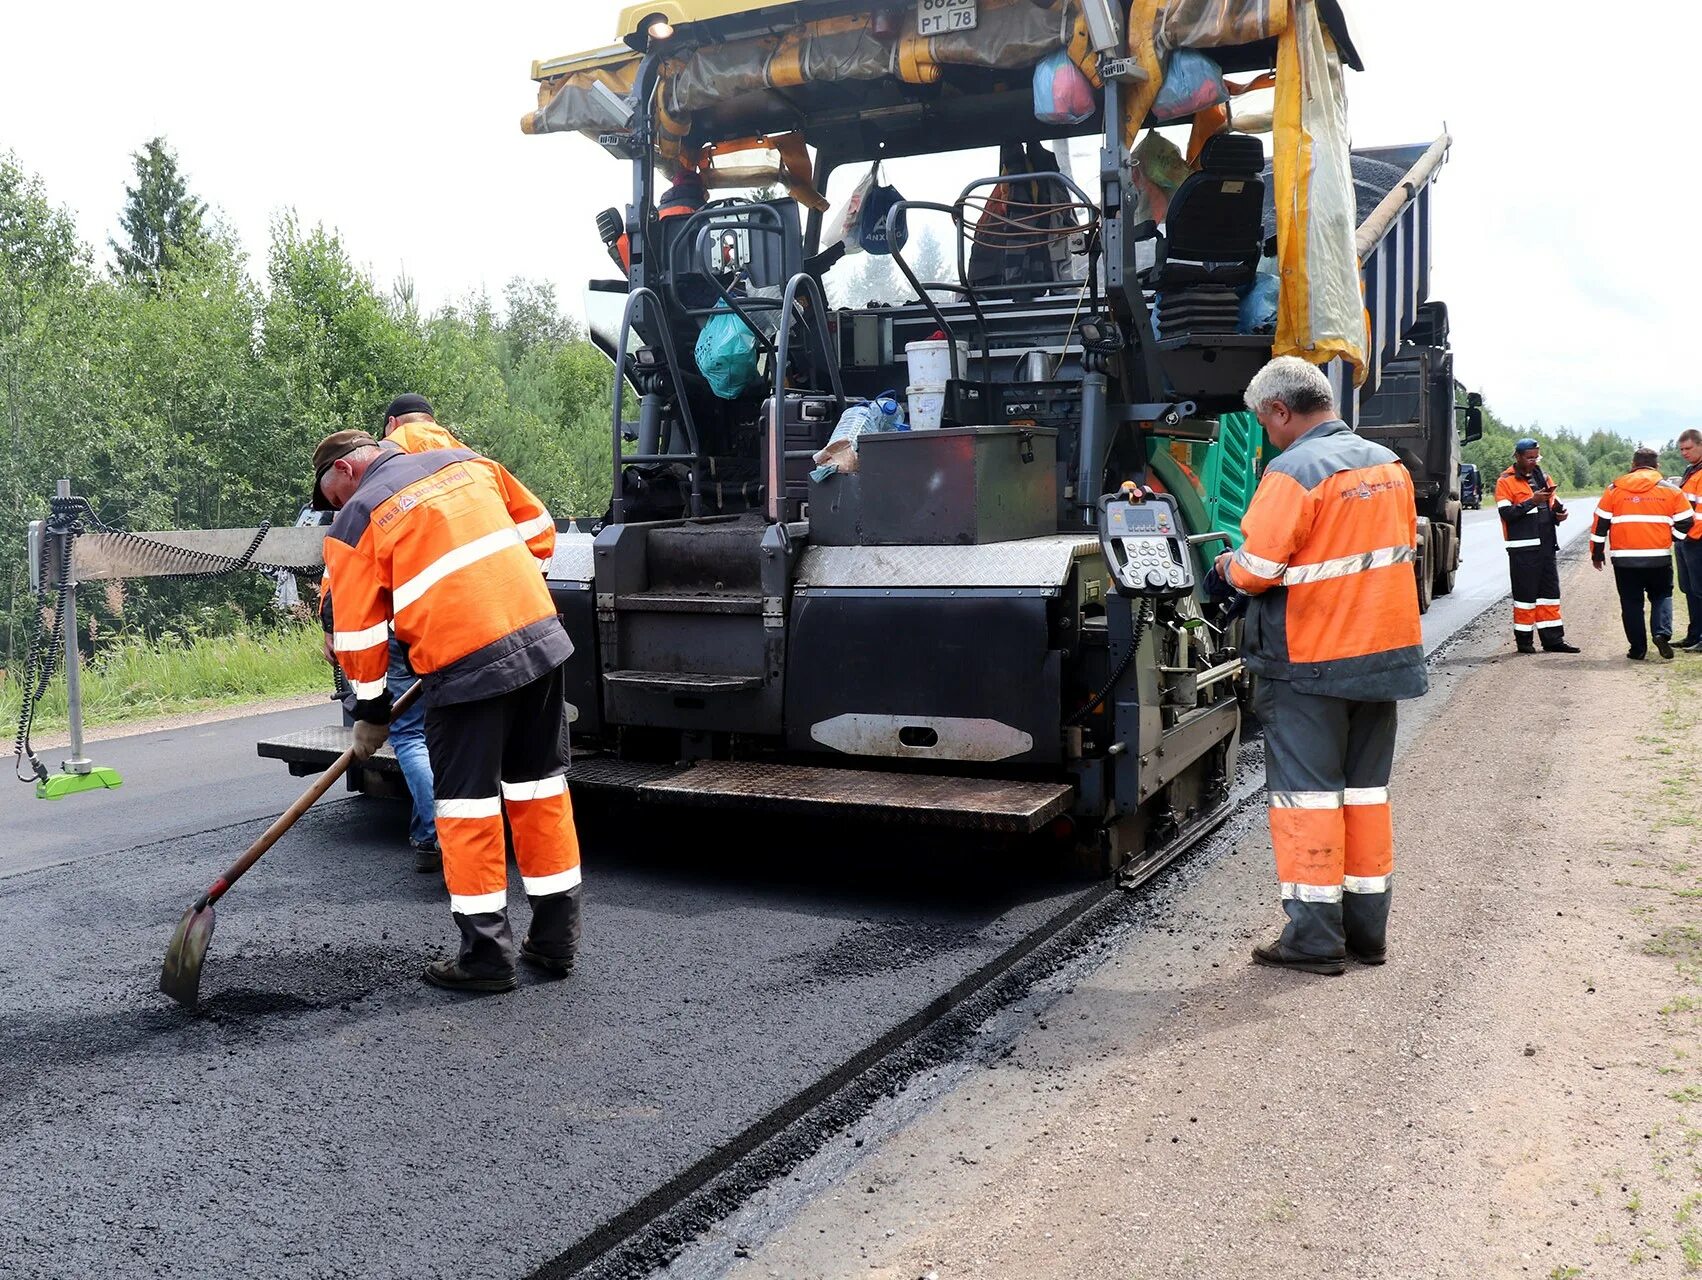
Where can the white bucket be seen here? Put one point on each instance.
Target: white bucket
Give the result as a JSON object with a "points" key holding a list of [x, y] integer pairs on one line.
{"points": [[930, 362], [925, 406]]}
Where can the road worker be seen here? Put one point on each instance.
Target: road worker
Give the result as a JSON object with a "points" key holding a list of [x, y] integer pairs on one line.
{"points": [[1524, 497], [1332, 636], [411, 424], [1689, 552], [1637, 521], [448, 547]]}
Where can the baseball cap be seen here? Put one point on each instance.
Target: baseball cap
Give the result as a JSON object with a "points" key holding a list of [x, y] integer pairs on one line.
{"points": [[407, 404], [1525, 445], [339, 444]]}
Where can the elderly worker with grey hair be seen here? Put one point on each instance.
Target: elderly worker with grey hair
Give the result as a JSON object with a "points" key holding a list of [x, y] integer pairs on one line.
{"points": [[1332, 635]]}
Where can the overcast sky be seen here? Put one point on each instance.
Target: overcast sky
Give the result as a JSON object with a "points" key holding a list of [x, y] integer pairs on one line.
{"points": [[1564, 221]]}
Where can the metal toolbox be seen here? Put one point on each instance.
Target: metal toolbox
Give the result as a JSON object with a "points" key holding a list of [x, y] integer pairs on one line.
{"points": [[957, 485]]}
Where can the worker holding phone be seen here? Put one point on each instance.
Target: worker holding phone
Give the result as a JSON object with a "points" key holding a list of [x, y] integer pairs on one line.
{"points": [[1530, 512]]}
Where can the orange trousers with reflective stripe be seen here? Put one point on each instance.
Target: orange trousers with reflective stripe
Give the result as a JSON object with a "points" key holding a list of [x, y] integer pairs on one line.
{"points": [[1327, 766], [500, 756]]}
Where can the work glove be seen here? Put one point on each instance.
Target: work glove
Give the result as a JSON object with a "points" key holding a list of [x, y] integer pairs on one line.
{"points": [[369, 738]]}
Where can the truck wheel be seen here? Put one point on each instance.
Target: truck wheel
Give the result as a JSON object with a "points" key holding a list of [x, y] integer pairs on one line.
{"points": [[1447, 549], [1423, 572]]}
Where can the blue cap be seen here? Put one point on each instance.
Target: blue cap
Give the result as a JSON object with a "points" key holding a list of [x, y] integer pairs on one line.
{"points": [[1525, 445]]}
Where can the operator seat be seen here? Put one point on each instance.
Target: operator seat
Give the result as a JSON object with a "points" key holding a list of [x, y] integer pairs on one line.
{"points": [[1212, 240]]}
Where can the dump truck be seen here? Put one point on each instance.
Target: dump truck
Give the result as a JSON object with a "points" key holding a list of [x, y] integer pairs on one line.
{"points": [[964, 625]]}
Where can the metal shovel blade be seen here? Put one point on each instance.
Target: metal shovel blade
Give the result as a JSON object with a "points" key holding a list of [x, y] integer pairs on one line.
{"points": [[180, 976]]}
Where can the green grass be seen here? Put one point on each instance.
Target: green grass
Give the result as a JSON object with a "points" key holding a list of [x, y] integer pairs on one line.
{"points": [[134, 680]]}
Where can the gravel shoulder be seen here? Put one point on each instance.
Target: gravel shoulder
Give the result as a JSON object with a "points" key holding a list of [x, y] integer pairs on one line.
{"points": [[1517, 1093]]}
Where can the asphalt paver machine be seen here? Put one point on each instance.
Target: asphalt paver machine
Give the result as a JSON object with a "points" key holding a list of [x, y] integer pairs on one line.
{"points": [[966, 625]]}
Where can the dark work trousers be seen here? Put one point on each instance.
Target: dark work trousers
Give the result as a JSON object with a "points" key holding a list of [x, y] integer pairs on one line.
{"points": [[1635, 581], [506, 754], [1689, 556], [1327, 763], [1535, 574]]}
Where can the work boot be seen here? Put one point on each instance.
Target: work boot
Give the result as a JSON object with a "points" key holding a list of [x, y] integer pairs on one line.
{"points": [[1636, 655], [427, 857], [1664, 644], [1560, 646], [1525, 646], [1278, 956], [1694, 646], [1379, 956], [553, 940], [486, 959]]}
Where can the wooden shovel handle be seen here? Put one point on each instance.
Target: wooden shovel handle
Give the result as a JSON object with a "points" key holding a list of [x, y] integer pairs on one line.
{"points": [[320, 786]]}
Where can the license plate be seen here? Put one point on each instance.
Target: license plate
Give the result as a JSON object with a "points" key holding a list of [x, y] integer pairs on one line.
{"points": [[941, 17]]}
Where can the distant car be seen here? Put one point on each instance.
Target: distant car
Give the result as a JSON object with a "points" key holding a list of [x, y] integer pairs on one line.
{"points": [[1471, 487]]}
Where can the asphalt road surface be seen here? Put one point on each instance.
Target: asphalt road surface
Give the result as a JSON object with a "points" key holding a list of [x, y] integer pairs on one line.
{"points": [[328, 1115]]}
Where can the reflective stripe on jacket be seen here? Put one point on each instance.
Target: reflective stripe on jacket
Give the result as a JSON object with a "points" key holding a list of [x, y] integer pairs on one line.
{"points": [[450, 547], [1330, 544], [1691, 488], [1638, 519], [1526, 520]]}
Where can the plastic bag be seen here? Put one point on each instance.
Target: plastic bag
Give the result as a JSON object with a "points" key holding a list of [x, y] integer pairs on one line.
{"points": [[872, 217], [1258, 312], [848, 225], [726, 353], [1062, 94], [1192, 82]]}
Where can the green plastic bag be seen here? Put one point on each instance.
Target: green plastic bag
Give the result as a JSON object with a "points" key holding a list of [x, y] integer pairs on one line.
{"points": [[726, 353]]}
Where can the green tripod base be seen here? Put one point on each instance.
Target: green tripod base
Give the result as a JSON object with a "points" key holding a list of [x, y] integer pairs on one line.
{"points": [[57, 785]]}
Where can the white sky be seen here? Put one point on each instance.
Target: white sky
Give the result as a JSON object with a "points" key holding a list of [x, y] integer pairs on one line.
{"points": [[1564, 241]]}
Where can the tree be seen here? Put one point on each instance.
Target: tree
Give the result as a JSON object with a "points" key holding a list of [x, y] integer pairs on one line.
{"points": [[927, 260], [162, 222]]}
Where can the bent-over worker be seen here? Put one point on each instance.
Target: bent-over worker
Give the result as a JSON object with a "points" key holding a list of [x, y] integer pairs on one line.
{"points": [[449, 547], [1332, 635], [1524, 498], [1637, 521]]}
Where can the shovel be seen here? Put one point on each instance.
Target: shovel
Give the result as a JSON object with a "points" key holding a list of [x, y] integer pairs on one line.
{"points": [[180, 976]]}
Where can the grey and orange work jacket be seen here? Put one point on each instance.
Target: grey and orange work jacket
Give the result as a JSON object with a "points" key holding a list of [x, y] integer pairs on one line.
{"points": [[1527, 521], [449, 547], [1328, 552]]}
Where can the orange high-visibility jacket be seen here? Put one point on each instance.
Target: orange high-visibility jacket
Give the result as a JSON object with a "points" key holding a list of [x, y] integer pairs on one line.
{"points": [[418, 437], [1330, 544], [1691, 488], [1526, 520], [1638, 519], [449, 547], [410, 437]]}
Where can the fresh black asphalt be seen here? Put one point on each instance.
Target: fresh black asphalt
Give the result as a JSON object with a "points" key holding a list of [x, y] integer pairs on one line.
{"points": [[329, 1115]]}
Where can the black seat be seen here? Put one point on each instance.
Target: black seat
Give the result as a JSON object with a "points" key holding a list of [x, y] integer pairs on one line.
{"points": [[1213, 231]]}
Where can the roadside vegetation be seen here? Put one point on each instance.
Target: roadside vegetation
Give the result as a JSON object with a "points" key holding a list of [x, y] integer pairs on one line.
{"points": [[135, 678], [181, 386]]}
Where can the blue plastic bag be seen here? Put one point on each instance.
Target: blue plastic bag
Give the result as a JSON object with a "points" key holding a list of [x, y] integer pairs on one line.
{"points": [[1259, 305], [1062, 94], [1192, 82], [726, 353]]}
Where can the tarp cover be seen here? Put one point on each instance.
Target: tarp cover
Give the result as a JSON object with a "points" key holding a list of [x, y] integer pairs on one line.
{"points": [[1011, 34]]}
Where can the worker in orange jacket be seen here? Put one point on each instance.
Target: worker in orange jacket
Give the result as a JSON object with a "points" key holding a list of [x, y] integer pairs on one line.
{"points": [[411, 424], [1529, 511], [1637, 521], [1332, 636], [448, 547], [1689, 552]]}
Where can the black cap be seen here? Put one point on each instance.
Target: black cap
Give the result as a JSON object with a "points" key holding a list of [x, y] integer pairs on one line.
{"points": [[410, 403]]}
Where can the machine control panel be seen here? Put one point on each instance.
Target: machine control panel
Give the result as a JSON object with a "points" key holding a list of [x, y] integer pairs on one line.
{"points": [[1145, 546]]}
